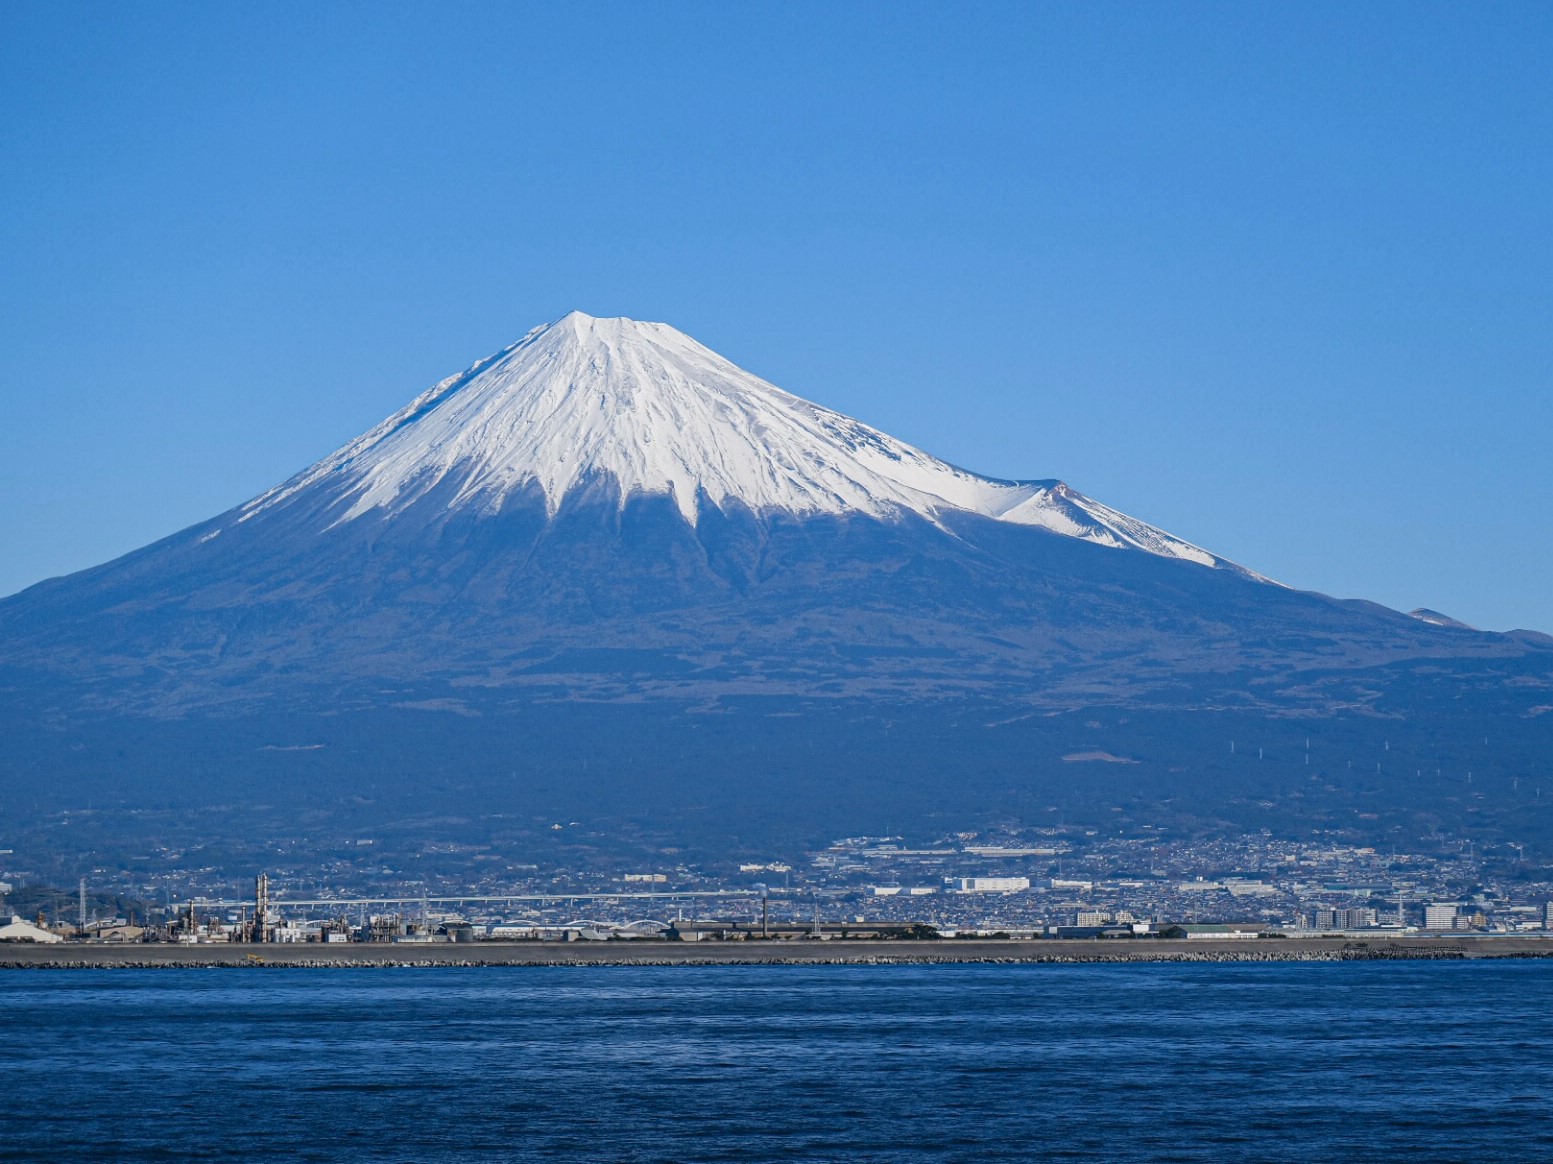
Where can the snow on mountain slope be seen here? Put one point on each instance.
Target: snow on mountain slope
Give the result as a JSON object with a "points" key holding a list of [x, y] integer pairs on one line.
{"points": [[1435, 618], [647, 405]]}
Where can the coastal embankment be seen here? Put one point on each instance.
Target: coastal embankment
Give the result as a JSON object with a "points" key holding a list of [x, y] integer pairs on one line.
{"points": [[806, 953]]}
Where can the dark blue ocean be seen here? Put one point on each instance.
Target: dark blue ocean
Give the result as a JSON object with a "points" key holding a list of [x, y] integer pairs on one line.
{"points": [[1341, 1061]]}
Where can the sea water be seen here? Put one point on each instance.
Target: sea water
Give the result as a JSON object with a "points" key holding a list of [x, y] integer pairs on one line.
{"points": [[1420, 1061]]}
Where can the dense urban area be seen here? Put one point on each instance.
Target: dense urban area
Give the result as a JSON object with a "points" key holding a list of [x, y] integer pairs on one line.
{"points": [[1059, 882]]}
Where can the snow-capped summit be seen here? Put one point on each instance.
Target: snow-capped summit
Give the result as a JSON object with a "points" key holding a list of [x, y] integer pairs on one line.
{"points": [[642, 403]]}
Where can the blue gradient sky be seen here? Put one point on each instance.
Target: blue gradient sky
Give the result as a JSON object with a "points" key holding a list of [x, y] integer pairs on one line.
{"points": [[1277, 278]]}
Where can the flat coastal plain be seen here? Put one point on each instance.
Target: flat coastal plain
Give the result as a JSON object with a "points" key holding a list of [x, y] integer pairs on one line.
{"points": [[755, 952]]}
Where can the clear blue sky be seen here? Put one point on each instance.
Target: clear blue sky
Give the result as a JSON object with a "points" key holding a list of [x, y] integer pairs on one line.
{"points": [[1278, 278]]}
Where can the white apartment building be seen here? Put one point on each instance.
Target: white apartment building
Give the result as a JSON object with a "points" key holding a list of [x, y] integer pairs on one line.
{"points": [[1440, 915], [991, 884]]}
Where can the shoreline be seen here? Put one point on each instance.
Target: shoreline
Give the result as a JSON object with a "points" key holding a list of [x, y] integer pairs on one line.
{"points": [[836, 952]]}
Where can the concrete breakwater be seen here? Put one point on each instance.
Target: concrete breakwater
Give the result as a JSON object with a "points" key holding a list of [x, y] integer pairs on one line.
{"points": [[757, 953]]}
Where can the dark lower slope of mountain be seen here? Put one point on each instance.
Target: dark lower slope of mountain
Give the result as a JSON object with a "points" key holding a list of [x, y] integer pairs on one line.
{"points": [[600, 603], [746, 682]]}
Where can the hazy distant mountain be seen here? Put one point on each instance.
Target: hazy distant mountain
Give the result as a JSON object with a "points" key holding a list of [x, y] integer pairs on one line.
{"points": [[607, 514]]}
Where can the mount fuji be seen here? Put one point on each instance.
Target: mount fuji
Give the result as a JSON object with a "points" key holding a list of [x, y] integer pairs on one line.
{"points": [[606, 570]]}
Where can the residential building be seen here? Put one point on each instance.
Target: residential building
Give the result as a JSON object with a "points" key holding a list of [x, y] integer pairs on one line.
{"points": [[1440, 915]]}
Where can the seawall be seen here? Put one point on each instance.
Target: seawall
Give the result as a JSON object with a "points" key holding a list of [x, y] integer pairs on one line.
{"points": [[808, 953]]}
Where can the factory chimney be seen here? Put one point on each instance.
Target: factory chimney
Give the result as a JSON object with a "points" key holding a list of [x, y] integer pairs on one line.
{"points": [[261, 909]]}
